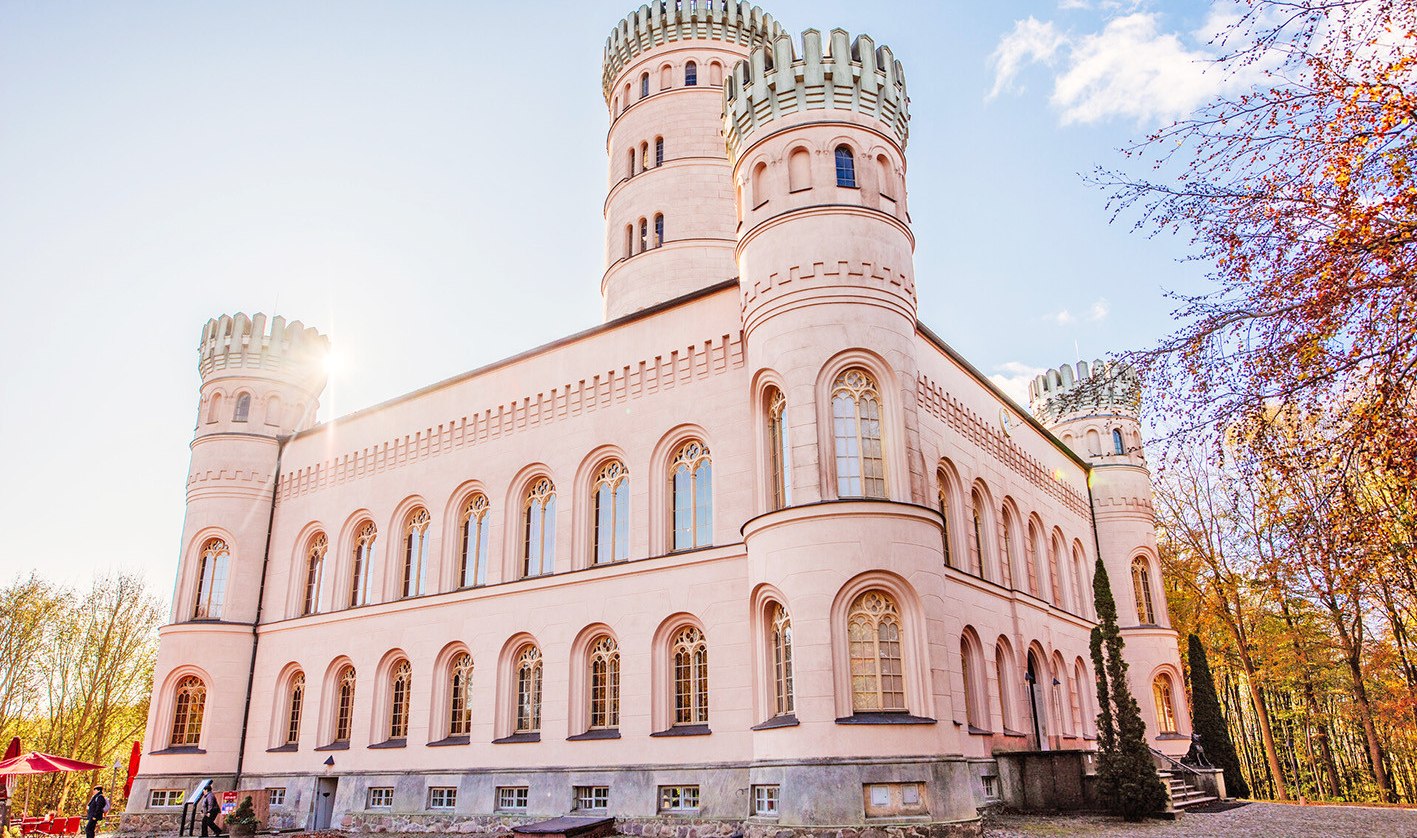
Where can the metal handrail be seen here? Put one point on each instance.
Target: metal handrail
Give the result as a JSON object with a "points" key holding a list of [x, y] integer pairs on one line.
{"points": [[1175, 762]]}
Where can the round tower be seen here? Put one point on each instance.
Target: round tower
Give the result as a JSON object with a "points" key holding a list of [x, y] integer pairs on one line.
{"points": [[1095, 410], [261, 382], [669, 217]]}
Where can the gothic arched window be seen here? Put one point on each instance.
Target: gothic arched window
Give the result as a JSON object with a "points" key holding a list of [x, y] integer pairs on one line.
{"points": [[189, 702], [528, 719], [415, 552], [877, 673], [344, 704], [459, 686], [856, 426], [783, 702], [659, 230], [691, 74], [400, 688], [243, 408], [778, 482], [612, 513], [314, 573], [476, 517], [1162, 690], [604, 683], [361, 560], [295, 708], [1141, 587], [658, 151], [539, 529], [689, 652], [943, 489], [845, 167], [644, 85], [211, 580], [691, 481], [971, 670], [976, 553], [644, 235], [1117, 441]]}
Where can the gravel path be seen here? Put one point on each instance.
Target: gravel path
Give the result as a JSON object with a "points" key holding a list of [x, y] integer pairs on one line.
{"points": [[1256, 820]]}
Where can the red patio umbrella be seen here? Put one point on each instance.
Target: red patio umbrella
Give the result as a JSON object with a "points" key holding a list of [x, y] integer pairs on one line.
{"points": [[133, 758], [37, 763]]}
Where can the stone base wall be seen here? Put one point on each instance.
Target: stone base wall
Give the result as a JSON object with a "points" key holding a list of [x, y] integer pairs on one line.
{"points": [[656, 828], [142, 823]]}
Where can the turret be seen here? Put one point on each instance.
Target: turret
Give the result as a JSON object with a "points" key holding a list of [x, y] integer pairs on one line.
{"points": [[1095, 410], [669, 220]]}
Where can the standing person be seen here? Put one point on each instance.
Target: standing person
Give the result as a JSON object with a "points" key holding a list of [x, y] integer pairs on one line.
{"points": [[210, 809], [98, 807]]}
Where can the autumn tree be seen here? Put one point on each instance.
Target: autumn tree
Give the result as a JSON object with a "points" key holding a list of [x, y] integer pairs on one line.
{"points": [[1209, 722]]}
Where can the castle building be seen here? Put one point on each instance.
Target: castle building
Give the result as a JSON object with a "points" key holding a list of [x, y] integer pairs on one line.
{"points": [[758, 552]]}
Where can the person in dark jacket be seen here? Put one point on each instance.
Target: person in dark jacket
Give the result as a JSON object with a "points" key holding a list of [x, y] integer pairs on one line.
{"points": [[210, 809], [98, 807]]}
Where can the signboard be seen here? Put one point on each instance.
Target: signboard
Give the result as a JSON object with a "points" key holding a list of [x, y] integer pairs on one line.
{"points": [[228, 802]]}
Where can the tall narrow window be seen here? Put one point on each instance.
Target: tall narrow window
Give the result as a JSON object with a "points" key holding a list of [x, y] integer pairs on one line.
{"points": [[295, 708], [644, 157], [528, 690], [604, 683], [211, 580], [691, 74], [1165, 703], [1003, 673], [612, 513], [973, 714], [314, 573], [644, 85], [856, 424], [1117, 441], [877, 674], [691, 476], [799, 170], [1055, 576], [629, 240], [363, 556], [1007, 571], [1079, 582], [689, 651], [633, 156], [459, 705], [1032, 560], [539, 529], [944, 498], [783, 703], [415, 553], [644, 235], [214, 410], [1141, 587], [344, 704], [666, 77], [976, 555], [476, 517], [659, 230], [715, 74], [778, 477], [885, 177], [400, 684], [243, 408], [189, 703], [758, 185], [845, 167], [658, 151]]}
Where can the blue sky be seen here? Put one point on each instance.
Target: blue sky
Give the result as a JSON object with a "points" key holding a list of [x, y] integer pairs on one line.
{"points": [[423, 181]]}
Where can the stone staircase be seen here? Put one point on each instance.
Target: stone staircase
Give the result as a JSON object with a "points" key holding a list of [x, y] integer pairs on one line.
{"points": [[1183, 793]]}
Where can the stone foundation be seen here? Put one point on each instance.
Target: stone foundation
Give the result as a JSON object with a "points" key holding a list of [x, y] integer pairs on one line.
{"points": [[142, 823]]}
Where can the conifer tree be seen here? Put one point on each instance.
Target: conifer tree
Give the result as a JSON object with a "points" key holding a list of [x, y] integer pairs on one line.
{"points": [[1209, 723], [1127, 778]]}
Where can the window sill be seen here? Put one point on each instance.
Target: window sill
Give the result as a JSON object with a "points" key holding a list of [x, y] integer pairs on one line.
{"points": [[684, 730], [978, 731], [283, 749], [1172, 737], [599, 733], [334, 746], [178, 749], [451, 740], [799, 189], [884, 719], [1018, 733], [389, 743], [848, 186], [787, 720], [760, 205], [518, 737]]}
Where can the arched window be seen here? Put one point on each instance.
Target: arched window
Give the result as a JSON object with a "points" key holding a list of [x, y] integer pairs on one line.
{"points": [[1033, 548], [612, 513], [476, 518], [644, 156], [604, 683], [691, 74], [363, 557], [974, 714], [528, 690], [344, 704], [759, 185], [778, 483], [1161, 688], [783, 703], [243, 408], [666, 77], [1055, 576], [314, 573], [539, 529], [1141, 587], [459, 687], [845, 167], [211, 580], [629, 240], [977, 547], [214, 409], [295, 707], [400, 685], [644, 85], [715, 74], [689, 651], [644, 235], [1079, 582], [658, 152], [633, 157], [885, 176], [1008, 552], [691, 481], [877, 674], [943, 489], [1004, 673], [659, 230], [1055, 693], [856, 424], [1084, 689], [415, 553], [1117, 441], [799, 170], [188, 703]]}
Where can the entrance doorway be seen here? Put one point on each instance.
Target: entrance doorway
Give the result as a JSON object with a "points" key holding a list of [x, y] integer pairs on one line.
{"points": [[1035, 705], [324, 802]]}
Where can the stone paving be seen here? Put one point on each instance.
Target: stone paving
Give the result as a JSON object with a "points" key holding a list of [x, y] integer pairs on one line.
{"points": [[1255, 820]]}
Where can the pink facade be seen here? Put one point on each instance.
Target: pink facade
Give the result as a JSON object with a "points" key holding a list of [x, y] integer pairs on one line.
{"points": [[759, 552]]}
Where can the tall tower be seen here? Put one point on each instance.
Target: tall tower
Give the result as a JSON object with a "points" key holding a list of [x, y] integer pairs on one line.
{"points": [[669, 216], [261, 382], [1095, 411]]}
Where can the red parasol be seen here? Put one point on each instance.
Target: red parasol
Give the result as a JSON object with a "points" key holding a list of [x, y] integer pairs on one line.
{"points": [[37, 763], [133, 757], [10, 753]]}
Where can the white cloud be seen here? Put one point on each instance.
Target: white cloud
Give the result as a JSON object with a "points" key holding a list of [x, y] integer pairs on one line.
{"points": [[1099, 310], [1030, 42], [1062, 317], [1013, 377]]}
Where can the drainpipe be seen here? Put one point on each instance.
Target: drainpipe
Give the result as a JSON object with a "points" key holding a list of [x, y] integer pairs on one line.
{"points": [[260, 606]]}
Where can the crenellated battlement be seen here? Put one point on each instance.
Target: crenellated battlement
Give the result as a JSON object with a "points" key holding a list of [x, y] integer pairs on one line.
{"points": [[668, 21], [847, 75], [1105, 386], [293, 350]]}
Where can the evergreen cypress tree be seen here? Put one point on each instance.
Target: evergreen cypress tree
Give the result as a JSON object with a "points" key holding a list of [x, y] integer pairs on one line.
{"points": [[1127, 778], [1209, 723]]}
